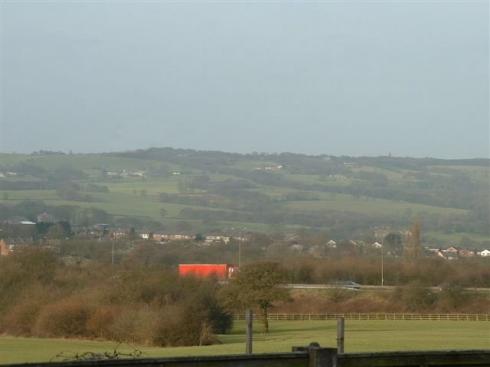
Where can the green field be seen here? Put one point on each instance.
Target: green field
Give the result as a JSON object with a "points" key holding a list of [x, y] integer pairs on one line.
{"points": [[348, 203], [360, 336]]}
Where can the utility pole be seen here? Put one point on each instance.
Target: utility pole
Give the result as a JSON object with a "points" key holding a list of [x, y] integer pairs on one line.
{"points": [[340, 335], [249, 321]]}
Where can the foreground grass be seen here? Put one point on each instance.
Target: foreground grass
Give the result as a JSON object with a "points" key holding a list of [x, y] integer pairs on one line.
{"points": [[360, 336]]}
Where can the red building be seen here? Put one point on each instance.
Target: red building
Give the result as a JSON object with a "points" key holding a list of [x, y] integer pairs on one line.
{"points": [[220, 271]]}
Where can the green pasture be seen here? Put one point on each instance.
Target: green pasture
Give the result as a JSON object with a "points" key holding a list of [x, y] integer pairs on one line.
{"points": [[359, 336], [318, 180], [12, 158], [363, 205], [14, 196], [473, 171], [391, 174], [152, 186]]}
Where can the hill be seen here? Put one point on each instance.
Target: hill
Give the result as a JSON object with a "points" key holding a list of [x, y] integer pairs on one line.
{"points": [[197, 191]]}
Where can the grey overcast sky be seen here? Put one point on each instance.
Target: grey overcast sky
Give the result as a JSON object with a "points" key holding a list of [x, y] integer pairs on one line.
{"points": [[410, 78]]}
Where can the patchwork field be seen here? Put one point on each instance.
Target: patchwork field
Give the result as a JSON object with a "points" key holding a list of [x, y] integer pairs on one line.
{"points": [[360, 336], [223, 191]]}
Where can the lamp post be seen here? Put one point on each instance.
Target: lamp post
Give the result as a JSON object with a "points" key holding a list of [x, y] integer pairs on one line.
{"points": [[240, 239], [239, 252], [382, 262]]}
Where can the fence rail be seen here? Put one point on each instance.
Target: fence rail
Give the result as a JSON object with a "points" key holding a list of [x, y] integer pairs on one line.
{"points": [[372, 316], [310, 356], [415, 359]]}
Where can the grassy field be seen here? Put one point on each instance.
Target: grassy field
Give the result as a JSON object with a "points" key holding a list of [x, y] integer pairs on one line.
{"points": [[348, 203], [360, 336]]}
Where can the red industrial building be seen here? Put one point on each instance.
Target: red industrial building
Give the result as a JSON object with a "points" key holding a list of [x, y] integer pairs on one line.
{"points": [[220, 271]]}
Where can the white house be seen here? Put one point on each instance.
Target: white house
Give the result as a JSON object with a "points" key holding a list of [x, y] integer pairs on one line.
{"points": [[484, 253], [332, 244]]}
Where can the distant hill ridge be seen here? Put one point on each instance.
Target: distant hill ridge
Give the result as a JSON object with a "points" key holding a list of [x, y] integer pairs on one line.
{"points": [[205, 190]]}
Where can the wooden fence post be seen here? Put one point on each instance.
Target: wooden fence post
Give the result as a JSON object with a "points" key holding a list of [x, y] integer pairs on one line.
{"points": [[249, 322], [340, 335], [321, 357]]}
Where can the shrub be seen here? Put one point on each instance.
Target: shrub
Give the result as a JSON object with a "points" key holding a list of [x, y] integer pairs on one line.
{"points": [[414, 297], [452, 297], [67, 318], [21, 318], [135, 324], [100, 322], [180, 326]]}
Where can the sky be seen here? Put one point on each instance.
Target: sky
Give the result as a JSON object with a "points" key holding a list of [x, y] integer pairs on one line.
{"points": [[358, 78]]}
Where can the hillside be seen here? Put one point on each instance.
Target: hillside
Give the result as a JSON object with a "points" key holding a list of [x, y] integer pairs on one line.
{"points": [[196, 191]]}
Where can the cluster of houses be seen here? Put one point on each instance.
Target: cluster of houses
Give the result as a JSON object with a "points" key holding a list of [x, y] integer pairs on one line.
{"points": [[103, 231], [270, 168], [124, 173], [7, 174], [206, 239], [452, 253]]}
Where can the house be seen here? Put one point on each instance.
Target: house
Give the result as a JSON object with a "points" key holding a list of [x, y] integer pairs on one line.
{"points": [[451, 250], [376, 245], [270, 168], [332, 244], [157, 237], [175, 237], [437, 252], [211, 239], [4, 248], [466, 253], [45, 218], [27, 222], [137, 174], [451, 253], [118, 234], [484, 253], [297, 247]]}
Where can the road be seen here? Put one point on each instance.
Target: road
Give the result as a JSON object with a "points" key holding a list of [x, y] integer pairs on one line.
{"points": [[369, 287]]}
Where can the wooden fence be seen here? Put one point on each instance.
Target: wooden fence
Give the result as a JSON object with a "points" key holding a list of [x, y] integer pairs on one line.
{"points": [[311, 356], [415, 359], [372, 316]]}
